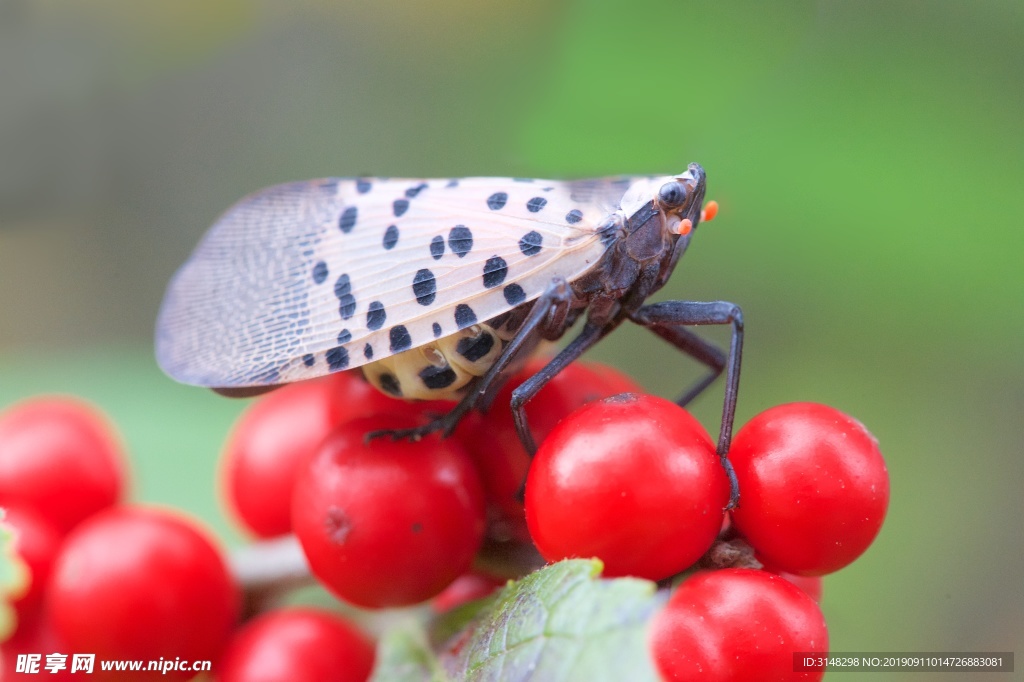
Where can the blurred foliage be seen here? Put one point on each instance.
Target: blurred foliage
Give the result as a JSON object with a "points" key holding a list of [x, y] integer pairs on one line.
{"points": [[14, 578], [867, 156]]}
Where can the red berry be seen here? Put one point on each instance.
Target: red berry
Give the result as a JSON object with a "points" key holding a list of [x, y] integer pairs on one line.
{"points": [[385, 522], [575, 386], [811, 584], [352, 397], [633, 480], [35, 638], [60, 458], [281, 430], [299, 645], [814, 488], [268, 444], [494, 443], [736, 624], [135, 583], [36, 542]]}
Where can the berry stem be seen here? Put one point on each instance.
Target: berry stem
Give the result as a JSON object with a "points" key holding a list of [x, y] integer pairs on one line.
{"points": [[268, 568], [731, 552]]}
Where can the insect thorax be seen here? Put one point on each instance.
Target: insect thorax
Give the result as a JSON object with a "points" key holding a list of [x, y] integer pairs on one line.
{"points": [[441, 369]]}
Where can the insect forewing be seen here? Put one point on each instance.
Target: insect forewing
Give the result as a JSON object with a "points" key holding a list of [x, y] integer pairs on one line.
{"points": [[306, 278]]}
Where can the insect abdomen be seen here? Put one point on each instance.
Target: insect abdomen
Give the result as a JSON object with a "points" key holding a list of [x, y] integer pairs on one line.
{"points": [[439, 370]]}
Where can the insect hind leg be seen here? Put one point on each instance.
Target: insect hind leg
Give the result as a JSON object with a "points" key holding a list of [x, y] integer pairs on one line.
{"points": [[549, 309], [668, 319]]}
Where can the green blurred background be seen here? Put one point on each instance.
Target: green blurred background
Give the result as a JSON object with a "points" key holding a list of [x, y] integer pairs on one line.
{"points": [[868, 157]]}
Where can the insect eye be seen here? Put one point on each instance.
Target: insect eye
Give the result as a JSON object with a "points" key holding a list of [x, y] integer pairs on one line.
{"points": [[671, 195]]}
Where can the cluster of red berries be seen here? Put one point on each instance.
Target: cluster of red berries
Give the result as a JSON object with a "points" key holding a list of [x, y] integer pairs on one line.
{"points": [[626, 477], [127, 582]]}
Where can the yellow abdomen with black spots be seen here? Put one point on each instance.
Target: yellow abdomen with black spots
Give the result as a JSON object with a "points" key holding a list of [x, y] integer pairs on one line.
{"points": [[441, 369]]}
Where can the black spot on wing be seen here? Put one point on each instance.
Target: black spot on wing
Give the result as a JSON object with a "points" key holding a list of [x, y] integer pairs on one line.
{"points": [[400, 207], [438, 377], [464, 316], [531, 243], [390, 237], [497, 201], [319, 272], [437, 247], [424, 286], [348, 219], [413, 191], [452, 183], [337, 359], [536, 204], [460, 240], [308, 360], [344, 336], [363, 185], [495, 271], [375, 316], [514, 294], [347, 302], [343, 286], [368, 352], [347, 307], [437, 330], [574, 216], [400, 339]]}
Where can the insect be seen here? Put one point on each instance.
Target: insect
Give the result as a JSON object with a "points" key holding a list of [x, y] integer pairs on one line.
{"points": [[435, 287]]}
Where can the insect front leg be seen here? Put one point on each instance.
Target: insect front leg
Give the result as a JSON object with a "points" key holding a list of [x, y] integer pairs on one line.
{"points": [[699, 349], [551, 304], [667, 320]]}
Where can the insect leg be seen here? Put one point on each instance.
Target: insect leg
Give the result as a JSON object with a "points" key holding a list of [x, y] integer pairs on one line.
{"points": [[699, 349], [554, 299], [666, 320], [549, 309], [590, 335]]}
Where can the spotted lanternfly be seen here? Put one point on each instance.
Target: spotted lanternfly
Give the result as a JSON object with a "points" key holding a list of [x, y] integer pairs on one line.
{"points": [[435, 287]]}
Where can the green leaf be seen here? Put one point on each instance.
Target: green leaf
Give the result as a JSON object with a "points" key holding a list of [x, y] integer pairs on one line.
{"points": [[406, 652], [448, 625], [403, 655], [561, 623]]}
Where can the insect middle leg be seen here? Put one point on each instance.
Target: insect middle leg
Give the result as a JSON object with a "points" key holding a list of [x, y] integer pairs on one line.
{"points": [[667, 320], [551, 305], [590, 335]]}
